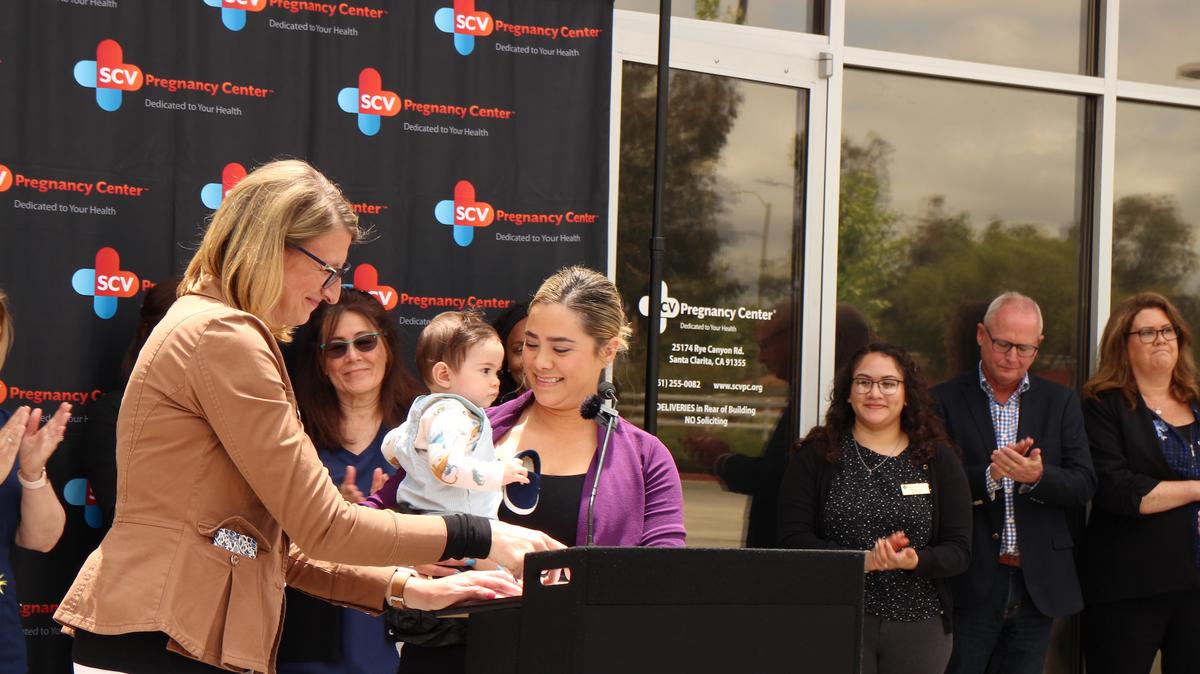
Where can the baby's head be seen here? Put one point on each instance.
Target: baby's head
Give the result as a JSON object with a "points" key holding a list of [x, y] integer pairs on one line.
{"points": [[459, 353]]}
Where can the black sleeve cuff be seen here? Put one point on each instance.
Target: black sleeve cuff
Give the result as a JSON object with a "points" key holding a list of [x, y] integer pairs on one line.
{"points": [[467, 536]]}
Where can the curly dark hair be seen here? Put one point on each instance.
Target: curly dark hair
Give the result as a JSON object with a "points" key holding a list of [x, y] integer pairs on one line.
{"points": [[918, 420]]}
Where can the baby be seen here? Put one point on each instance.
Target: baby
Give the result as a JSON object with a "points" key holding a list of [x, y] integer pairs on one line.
{"points": [[445, 445]]}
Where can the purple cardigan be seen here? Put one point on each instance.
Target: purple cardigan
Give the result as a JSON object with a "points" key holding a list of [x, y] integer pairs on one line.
{"points": [[639, 502]]}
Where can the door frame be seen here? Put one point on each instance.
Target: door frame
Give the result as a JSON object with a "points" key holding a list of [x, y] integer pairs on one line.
{"points": [[796, 60]]}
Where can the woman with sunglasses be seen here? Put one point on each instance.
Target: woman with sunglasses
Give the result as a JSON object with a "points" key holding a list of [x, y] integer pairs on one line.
{"points": [[1141, 559], [881, 476], [351, 386], [222, 499]]}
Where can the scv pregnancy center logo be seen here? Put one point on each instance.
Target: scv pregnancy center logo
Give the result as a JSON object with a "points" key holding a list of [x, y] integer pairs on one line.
{"points": [[110, 75], [78, 492], [465, 23], [106, 282], [370, 101], [212, 194], [233, 12], [464, 214], [366, 279]]}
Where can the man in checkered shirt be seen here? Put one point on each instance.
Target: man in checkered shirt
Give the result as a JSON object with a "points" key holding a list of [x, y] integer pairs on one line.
{"points": [[1030, 470]]}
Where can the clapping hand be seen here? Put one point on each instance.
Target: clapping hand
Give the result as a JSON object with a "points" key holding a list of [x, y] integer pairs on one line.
{"points": [[37, 444], [891, 553], [1020, 461], [10, 439], [349, 486]]}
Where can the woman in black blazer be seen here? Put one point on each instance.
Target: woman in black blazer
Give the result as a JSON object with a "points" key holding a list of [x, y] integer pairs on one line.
{"points": [[1141, 561], [880, 476]]}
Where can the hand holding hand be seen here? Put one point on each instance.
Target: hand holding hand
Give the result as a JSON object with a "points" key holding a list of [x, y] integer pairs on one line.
{"points": [[1020, 461], [515, 471], [39, 443]]}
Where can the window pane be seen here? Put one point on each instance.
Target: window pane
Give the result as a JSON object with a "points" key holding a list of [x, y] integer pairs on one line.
{"points": [[797, 15], [950, 194], [1158, 42], [732, 216], [1042, 34], [1156, 214]]}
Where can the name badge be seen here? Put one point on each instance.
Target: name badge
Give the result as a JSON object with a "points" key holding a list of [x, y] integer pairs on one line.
{"points": [[914, 488]]}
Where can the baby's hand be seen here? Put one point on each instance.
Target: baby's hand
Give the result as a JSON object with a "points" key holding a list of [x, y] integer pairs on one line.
{"points": [[515, 471]]}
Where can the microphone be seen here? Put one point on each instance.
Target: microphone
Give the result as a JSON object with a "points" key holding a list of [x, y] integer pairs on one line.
{"points": [[590, 408], [597, 408]]}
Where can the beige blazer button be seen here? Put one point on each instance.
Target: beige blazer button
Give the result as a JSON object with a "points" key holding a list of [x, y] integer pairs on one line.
{"points": [[234, 559]]}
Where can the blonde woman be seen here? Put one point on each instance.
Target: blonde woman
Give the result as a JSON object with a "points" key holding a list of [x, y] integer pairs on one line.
{"points": [[216, 477], [30, 515]]}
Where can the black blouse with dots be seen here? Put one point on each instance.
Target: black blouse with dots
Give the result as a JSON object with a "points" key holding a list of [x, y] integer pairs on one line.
{"points": [[865, 503]]}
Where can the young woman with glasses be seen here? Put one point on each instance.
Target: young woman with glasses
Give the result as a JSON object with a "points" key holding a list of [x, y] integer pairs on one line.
{"points": [[222, 498], [1141, 559], [880, 476]]}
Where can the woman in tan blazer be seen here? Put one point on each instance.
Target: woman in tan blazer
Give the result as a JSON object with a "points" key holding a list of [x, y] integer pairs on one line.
{"points": [[221, 496]]}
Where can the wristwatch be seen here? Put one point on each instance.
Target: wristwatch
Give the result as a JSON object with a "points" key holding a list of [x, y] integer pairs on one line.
{"points": [[400, 578]]}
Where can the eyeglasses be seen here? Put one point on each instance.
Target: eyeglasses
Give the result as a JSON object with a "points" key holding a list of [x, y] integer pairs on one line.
{"points": [[336, 348], [1004, 346], [887, 386], [334, 273], [1150, 335]]}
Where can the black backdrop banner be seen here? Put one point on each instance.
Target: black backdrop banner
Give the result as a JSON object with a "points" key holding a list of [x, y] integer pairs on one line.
{"points": [[472, 136]]}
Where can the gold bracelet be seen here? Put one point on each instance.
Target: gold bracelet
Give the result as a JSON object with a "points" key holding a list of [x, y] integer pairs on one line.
{"points": [[40, 482]]}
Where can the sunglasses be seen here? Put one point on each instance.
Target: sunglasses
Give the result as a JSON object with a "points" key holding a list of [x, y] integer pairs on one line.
{"points": [[335, 274], [336, 348]]}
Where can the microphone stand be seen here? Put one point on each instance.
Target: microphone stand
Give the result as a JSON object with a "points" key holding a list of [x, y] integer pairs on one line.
{"points": [[606, 415], [611, 421]]}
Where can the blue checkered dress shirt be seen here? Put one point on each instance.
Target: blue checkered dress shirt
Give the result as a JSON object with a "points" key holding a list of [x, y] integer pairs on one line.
{"points": [[1005, 419]]}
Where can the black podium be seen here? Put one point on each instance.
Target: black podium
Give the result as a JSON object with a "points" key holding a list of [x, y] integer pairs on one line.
{"points": [[686, 610]]}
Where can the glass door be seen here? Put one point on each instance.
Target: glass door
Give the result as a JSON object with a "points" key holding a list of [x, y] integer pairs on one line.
{"points": [[742, 221]]}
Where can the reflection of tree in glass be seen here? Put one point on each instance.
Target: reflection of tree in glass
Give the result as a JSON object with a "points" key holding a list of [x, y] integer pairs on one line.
{"points": [[702, 111], [869, 246], [912, 286], [1152, 251], [1152, 246]]}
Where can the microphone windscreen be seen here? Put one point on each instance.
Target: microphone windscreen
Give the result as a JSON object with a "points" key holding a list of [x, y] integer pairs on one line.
{"points": [[607, 390], [590, 407]]}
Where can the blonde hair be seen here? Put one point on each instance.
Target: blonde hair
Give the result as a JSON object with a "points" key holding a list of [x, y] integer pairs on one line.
{"points": [[594, 297], [6, 329], [1114, 370], [282, 202]]}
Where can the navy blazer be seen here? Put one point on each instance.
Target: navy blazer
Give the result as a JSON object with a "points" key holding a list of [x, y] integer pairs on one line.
{"points": [[1051, 415], [1128, 554]]}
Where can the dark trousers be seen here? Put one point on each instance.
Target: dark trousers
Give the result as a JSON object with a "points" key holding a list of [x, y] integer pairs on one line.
{"points": [[1003, 634], [894, 647], [1122, 637]]}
